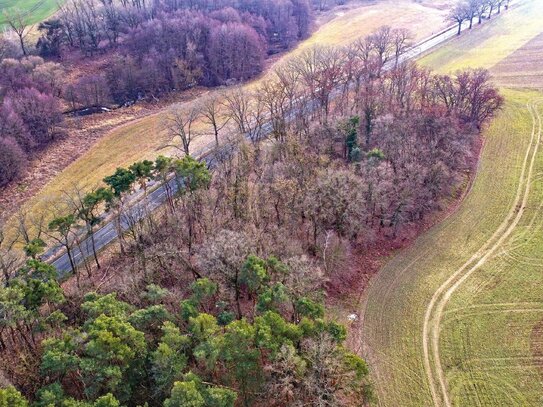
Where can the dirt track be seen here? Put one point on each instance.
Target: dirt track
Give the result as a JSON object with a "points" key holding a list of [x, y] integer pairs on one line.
{"points": [[434, 311]]}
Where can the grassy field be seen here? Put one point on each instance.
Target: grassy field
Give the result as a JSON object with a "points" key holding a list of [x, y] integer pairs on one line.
{"points": [[456, 319], [35, 10], [490, 44], [423, 18], [143, 138]]}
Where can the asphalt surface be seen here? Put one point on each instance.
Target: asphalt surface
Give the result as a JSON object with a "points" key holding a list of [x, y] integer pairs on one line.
{"points": [[143, 205]]}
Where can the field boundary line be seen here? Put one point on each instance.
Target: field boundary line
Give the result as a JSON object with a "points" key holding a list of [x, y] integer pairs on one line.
{"points": [[445, 291]]}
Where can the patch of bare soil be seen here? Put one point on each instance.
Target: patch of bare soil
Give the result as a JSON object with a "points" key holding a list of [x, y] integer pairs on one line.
{"points": [[523, 67]]}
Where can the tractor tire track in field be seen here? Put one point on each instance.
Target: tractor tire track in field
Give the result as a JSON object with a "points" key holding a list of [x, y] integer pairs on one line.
{"points": [[434, 311], [388, 293], [504, 306]]}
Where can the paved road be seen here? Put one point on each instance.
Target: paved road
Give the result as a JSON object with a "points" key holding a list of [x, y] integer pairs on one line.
{"points": [[57, 257]]}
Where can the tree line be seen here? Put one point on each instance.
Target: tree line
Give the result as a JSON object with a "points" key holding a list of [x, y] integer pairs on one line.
{"points": [[159, 46], [469, 10], [219, 294]]}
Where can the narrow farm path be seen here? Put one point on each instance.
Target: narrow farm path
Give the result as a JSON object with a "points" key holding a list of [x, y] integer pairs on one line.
{"points": [[456, 318], [434, 311], [400, 325]]}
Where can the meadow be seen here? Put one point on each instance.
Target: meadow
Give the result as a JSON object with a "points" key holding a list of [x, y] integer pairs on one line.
{"points": [[455, 320], [34, 10]]}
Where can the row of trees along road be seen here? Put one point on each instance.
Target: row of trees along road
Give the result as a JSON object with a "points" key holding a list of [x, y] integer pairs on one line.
{"points": [[468, 10], [217, 298]]}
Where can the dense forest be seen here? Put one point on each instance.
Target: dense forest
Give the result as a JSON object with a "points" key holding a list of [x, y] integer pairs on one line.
{"points": [[30, 113], [144, 49], [174, 44], [217, 298]]}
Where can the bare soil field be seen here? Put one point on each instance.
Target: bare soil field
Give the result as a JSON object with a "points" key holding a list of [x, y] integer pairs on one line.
{"points": [[523, 67]]}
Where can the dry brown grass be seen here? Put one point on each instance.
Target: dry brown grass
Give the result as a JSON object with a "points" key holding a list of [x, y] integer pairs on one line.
{"points": [[492, 43], [423, 19]]}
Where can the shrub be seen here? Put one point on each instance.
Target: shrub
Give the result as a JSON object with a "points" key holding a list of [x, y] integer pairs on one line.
{"points": [[12, 160]]}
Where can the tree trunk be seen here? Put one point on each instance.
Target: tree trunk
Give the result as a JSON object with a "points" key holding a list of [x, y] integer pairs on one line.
{"points": [[238, 305], [69, 253], [22, 41], [72, 264], [216, 131], [94, 248]]}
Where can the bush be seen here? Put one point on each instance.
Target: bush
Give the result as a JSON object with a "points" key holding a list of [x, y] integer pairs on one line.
{"points": [[12, 160], [40, 112]]}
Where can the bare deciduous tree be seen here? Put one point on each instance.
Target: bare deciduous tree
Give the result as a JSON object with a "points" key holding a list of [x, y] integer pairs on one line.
{"points": [[401, 40], [321, 70], [247, 111], [482, 7], [18, 22], [458, 15], [179, 125], [212, 115], [222, 256]]}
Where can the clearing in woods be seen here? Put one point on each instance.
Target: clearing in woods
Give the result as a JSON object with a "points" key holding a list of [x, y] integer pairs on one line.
{"points": [[143, 138], [457, 319], [34, 10]]}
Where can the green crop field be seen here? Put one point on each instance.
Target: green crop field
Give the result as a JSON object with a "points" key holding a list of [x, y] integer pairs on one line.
{"points": [[35, 10], [457, 319]]}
